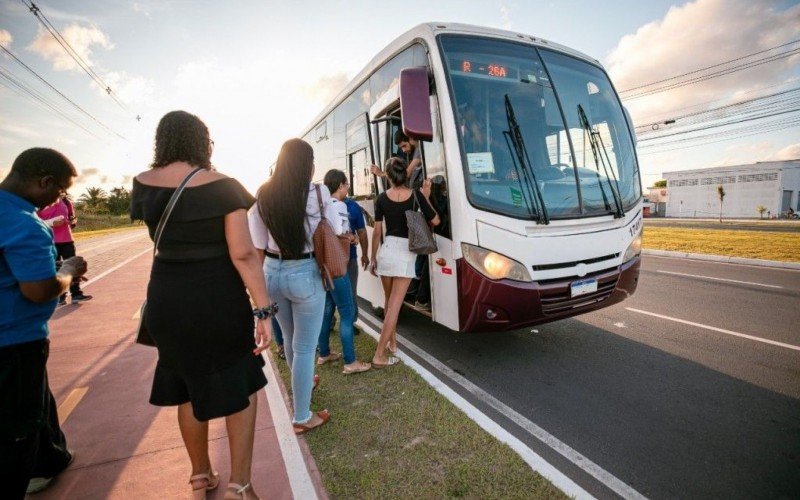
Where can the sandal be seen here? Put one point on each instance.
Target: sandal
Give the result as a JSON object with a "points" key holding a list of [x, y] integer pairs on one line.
{"points": [[303, 428], [240, 491], [211, 480], [360, 367], [334, 356], [281, 352], [392, 360]]}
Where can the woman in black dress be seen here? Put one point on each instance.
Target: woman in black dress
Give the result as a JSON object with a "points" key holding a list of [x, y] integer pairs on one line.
{"points": [[198, 311]]}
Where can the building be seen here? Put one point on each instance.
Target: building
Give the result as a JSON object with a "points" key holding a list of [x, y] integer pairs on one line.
{"points": [[656, 199], [773, 184]]}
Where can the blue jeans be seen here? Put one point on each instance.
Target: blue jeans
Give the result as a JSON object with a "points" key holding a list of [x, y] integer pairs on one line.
{"points": [[276, 331], [340, 297], [297, 288]]}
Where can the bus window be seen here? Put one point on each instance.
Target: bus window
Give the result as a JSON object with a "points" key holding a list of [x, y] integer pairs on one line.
{"points": [[389, 74]]}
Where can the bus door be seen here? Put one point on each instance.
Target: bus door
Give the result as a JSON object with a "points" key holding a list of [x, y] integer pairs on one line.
{"points": [[360, 151]]}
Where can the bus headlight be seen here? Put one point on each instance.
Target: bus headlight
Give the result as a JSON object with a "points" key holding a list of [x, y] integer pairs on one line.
{"points": [[493, 265], [634, 249]]}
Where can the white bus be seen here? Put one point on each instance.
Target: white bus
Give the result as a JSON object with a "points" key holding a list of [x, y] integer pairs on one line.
{"points": [[534, 166]]}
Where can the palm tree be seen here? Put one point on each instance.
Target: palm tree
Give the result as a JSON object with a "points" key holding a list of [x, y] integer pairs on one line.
{"points": [[94, 198], [761, 209], [721, 194]]}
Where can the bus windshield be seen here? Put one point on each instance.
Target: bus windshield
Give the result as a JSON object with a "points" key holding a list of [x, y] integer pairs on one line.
{"points": [[579, 159]]}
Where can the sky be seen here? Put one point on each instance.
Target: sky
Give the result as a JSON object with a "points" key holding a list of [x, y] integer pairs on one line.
{"points": [[257, 72]]}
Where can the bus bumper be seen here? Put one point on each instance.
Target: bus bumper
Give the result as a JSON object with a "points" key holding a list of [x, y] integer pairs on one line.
{"points": [[490, 306]]}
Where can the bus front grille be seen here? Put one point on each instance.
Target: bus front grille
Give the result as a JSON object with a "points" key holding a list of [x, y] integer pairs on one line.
{"points": [[565, 265], [556, 297]]}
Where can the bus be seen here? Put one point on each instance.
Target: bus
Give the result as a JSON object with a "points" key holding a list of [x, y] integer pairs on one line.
{"points": [[534, 169]]}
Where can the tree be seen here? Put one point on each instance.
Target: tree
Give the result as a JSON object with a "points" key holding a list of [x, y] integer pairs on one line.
{"points": [[119, 201], [721, 194], [761, 209], [660, 184], [94, 200]]}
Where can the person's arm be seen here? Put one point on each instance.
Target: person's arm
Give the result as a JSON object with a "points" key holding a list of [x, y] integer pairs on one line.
{"points": [[427, 208], [376, 242], [246, 260], [376, 170], [364, 241], [42, 291]]}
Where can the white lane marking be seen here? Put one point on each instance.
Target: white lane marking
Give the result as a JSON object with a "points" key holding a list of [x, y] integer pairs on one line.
{"points": [[104, 244], [717, 279], [296, 468], [535, 461], [715, 329], [109, 271]]}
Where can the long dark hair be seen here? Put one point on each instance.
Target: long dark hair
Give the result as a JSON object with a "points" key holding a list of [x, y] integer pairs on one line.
{"points": [[182, 136], [282, 199]]}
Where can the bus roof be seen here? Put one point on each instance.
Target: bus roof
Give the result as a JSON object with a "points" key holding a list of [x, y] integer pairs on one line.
{"points": [[428, 31]]}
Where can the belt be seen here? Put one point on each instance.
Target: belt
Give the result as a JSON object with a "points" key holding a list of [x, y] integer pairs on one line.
{"points": [[274, 255]]}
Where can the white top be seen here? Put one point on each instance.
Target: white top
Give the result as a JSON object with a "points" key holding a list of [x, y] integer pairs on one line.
{"points": [[263, 240], [344, 217]]}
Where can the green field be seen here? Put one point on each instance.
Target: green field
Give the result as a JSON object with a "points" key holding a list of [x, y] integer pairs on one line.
{"points": [[782, 246]]}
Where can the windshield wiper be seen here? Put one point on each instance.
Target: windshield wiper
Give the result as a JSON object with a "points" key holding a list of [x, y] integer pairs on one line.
{"points": [[596, 141], [524, 171]]}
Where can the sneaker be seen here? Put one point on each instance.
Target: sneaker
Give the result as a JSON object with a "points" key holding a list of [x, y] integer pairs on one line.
{"points": [[37, 484], [81, 297], [422, 306]]}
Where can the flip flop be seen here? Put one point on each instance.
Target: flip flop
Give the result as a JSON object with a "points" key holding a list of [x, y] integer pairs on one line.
{"points": [[391, 361], [302, 428], [360, 368]]}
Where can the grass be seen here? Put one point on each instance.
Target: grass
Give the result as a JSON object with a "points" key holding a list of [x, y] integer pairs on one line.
{"points": [[781, 246], [90, 225], [392, 436]]}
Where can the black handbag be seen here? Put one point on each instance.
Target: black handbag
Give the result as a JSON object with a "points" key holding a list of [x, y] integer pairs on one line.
{"points": [[142, 334], [420, 237]]}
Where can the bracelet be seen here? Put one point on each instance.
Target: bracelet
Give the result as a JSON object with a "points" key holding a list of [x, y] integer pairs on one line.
{"points": [[266, 312]]}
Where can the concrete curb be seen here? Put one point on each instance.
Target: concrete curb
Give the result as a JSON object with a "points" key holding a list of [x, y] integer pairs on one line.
{"points": [[723, 258]]}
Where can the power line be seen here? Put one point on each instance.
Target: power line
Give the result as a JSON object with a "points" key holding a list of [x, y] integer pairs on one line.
{"points": [[37, 12], [744, 103], [708, 67], [786, 126], [758, 117], [103, 125], [19, 87], [762, 127], [727, 71]]}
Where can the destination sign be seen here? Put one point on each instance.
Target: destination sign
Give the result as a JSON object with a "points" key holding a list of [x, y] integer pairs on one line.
{"points": [[476, 67]]}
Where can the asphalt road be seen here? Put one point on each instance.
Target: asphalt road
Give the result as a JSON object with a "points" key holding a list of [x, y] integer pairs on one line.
{"points": [[704, 408]]}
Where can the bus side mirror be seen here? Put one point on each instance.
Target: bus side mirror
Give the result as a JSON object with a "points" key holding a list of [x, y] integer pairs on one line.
{"points": [[415, 103]]}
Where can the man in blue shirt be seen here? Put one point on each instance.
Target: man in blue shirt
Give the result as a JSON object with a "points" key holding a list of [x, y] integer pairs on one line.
{"points": [[31, 442]]}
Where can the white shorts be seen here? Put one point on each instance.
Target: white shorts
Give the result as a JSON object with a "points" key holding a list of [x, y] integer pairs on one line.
{"points": [[395, 260]]}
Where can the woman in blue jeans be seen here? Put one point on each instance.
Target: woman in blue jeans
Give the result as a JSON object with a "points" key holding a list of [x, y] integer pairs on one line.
{"points": [[282, 223], [341, 297]]}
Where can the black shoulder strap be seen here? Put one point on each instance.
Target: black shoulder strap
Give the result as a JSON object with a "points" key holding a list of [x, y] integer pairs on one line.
{"points": [[171, 205]]}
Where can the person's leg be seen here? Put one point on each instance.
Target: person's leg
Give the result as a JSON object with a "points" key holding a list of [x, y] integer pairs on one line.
{"points": [[195, 439], [60, 251], [308, 301], [241, 431], [22, 386], [324, 342], [395, 302], [352, 274], [52, 456], [66, 251], [342, 296], [424, 290]]}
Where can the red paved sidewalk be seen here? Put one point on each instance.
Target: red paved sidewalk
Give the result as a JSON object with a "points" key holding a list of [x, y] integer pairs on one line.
{"points": [[126, 448]]}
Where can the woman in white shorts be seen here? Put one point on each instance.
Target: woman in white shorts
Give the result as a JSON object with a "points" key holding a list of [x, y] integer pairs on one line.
{"points": [[395, 263]]}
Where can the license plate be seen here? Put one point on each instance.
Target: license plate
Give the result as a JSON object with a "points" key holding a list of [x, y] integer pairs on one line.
{"points": [[583, 287]]}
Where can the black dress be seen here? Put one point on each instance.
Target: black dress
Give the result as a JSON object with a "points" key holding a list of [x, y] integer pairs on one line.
{"points": [[198, 311]]}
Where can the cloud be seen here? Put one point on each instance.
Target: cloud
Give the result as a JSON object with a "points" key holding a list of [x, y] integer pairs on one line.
{"points": [[88, 172], [700, 34], [130, 89], [5, 38], [326, 88], [505, 17], [80, 38], [19, 131], [791, 152]]}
